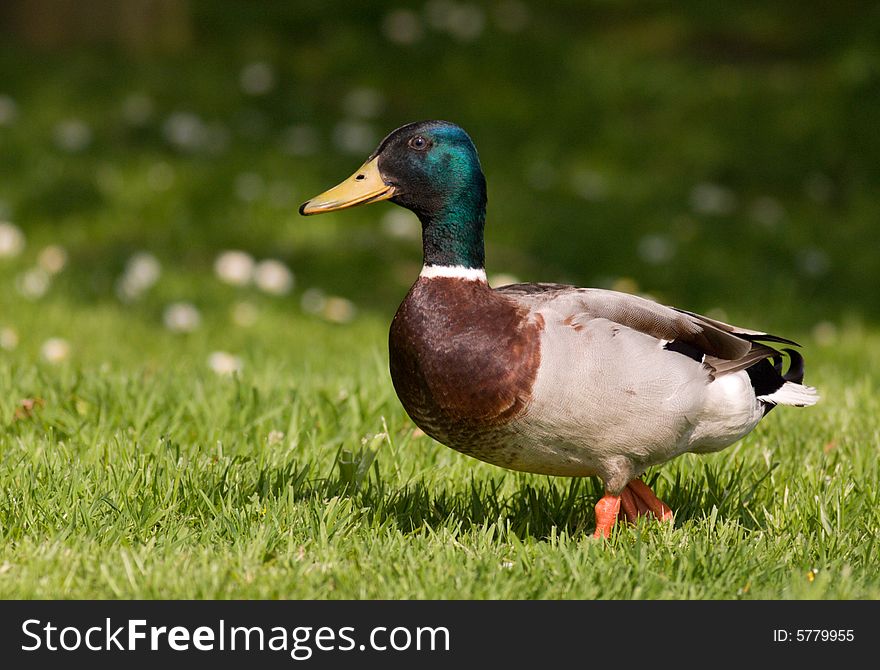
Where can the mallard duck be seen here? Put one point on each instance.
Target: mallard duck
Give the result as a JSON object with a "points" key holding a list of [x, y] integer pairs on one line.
{"points": [[550, 378]]}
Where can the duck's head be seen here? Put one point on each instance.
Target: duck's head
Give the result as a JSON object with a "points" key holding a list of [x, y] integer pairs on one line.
{"points": [[432, 169]]}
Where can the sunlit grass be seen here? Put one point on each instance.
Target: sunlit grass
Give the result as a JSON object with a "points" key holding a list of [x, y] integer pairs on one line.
{"points": [[140, 472]]}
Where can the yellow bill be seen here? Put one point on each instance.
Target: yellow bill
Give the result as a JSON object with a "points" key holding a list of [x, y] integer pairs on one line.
{"points": [[365, 185]]}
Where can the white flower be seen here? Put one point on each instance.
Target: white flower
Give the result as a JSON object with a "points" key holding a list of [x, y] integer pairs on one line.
{"points": [[461, 20], [11, 240], [767, 211], [825, 333], [709, 198], [141, 271], [401, 224], [813, 261], [273, 277], [8, 110], [402, 26], [8, 339], [144, 268], [181, 317], [234, 267], [274, 437], [300, 140], [257, 78], [52, 259], [364, 102], [33, 283], [330, 308], [72, 135], [224, 363], [55, 350], [185, 130], [249, 186], [656, 249], [354, 137], [338, 310], [589, 184], [313, 300]]}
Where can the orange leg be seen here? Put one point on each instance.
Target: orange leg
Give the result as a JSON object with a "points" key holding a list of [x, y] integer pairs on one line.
{"points": [[606, 514], [636, 500], [647, 502]]}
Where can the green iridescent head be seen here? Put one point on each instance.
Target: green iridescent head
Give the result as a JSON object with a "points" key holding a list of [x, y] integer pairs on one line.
{"points": [[431, 168]]}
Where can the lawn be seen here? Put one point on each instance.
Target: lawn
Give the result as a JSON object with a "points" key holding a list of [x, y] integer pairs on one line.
{"points": [[141, 473], [178, 423]]}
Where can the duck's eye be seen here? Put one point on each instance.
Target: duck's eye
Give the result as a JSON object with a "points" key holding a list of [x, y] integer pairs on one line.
{"points": [[419, 143]]}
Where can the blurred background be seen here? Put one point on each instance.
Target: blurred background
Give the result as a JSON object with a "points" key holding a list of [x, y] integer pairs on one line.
{"points": [[153, 153]]}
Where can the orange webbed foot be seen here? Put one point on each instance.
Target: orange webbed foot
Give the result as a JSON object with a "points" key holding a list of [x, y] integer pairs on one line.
{"points": [[635, 500], [644, 502]]}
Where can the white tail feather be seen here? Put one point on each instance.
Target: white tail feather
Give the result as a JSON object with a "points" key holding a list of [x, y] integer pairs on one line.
{"points": [[791, 393]]}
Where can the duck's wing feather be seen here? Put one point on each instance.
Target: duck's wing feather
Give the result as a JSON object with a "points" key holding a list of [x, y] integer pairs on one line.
{"points": [[723, 347]]}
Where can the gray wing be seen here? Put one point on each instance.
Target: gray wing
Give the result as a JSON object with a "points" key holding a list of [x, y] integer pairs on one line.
{"points": [[723, 347]]}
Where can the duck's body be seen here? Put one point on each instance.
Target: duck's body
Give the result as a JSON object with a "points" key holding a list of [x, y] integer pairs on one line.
{"points": [[558, 380], [547, 378]]}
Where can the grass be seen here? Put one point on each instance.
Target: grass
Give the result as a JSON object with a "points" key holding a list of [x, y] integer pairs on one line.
{"points": [[711, 158], [151, 476]]}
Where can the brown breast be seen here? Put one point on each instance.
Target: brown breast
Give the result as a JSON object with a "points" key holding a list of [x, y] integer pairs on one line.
{"points": [[463, 360]]}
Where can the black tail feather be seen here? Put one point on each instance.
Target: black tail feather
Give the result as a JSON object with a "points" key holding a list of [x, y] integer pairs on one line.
{"points": [[795, 372], [768, 375], [766, 337]]}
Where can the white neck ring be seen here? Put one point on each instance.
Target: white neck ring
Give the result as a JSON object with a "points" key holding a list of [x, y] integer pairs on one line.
{"points": [[453, 272]]}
